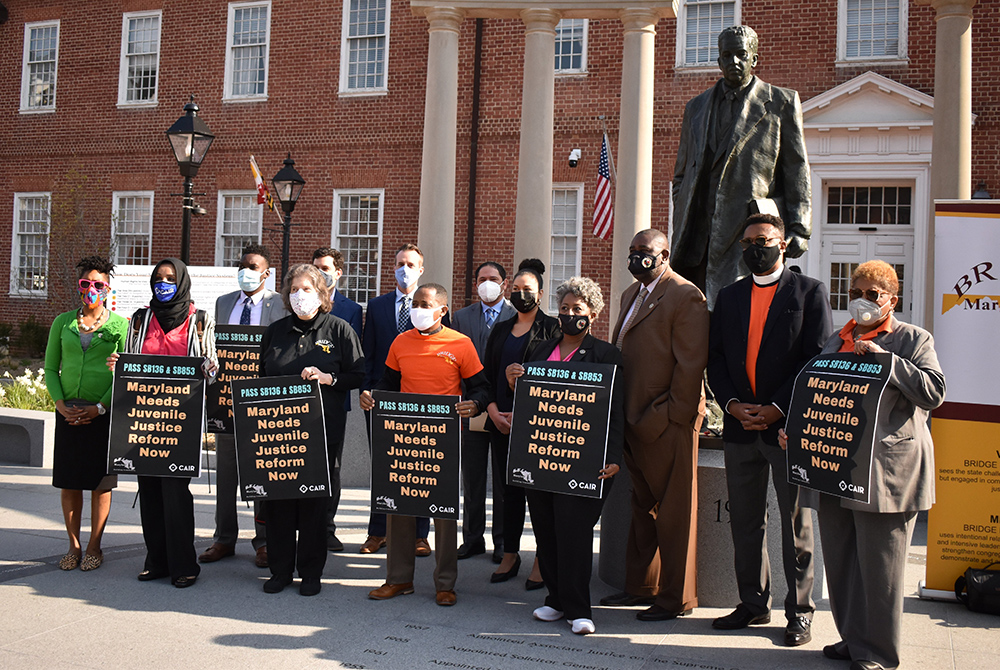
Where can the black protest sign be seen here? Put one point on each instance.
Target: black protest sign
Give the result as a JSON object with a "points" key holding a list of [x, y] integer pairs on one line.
{"points": [[280, 438], [157, 415], [559, 429], [831, 423], [238, 349], [416, 446]]}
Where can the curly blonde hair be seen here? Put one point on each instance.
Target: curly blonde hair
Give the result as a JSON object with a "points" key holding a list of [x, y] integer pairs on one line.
{"points": [[879, 273]]}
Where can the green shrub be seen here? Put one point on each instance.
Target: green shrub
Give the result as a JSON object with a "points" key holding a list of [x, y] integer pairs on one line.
{"points": [[32, 337], [6, 330], [26, 391]]}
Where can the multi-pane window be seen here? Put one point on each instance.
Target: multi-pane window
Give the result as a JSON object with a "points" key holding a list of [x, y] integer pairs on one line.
{"points": [[364, 45], [698, 30], [29, 259], [571, 46], [872, 29], [140, 58], [567, 218], [38, 74], [869, 205], [357, 233], [132, 227], [239, 224], [247, 50]]}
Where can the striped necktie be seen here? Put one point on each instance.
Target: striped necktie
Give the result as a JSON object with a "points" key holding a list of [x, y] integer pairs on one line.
{"points": [[491, 317], [639, 299]]}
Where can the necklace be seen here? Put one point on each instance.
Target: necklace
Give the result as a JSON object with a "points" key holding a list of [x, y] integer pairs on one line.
{"points": [[86, 329]]}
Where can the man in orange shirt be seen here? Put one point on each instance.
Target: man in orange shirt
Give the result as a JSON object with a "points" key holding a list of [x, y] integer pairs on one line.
{"points": [[764, 329], [432, 359]]}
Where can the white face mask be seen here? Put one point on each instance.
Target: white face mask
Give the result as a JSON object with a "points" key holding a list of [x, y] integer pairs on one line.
{"points": [[249, 280], [407, 276], [865, 312], [304, 303], [423, 318], [489, 291]]}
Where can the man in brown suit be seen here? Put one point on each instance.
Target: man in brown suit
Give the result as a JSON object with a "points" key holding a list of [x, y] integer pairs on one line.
{"points": [[662, 331]]}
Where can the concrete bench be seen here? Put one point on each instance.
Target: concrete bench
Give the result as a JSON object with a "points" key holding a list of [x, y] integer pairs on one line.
{"points": [[27, 437]]}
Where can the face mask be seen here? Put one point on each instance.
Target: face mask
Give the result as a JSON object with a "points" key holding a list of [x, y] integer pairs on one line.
{"points": [[760, 260], [407, 276], [249, 280], [164, 291], [489, 291], [573, 324], [330, 279], [865, 312], [423, 318], [639, 262], [524, 301], [304, 303], [92, 296]]}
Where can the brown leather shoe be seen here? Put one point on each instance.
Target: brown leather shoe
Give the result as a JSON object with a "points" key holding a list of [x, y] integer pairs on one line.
{"points": [[423, 547], [387, 591], [216, 552], [445, 598], [261, 559], [372, 544]]}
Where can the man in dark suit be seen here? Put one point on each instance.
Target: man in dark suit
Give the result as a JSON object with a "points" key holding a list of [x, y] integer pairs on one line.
{"points": [[741, 143], [765, 328], [331, 263], [252, 305], [476, 321]]}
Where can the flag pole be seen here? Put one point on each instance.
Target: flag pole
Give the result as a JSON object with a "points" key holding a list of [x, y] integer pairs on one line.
{"points": [[611, 159]]}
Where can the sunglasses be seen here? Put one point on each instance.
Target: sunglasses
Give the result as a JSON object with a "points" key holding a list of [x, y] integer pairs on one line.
{"points": [[85, 285], [871, 294], [759, 241]]}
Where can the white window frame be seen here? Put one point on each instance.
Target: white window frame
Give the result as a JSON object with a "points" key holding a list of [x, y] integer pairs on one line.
{"points": [[116, 197], [336, 241], [15, 248], [25, 84], [577, 269], [900, 58], [123, 100], [227, 91], [562, 72], [345, 54], [220, 220], [681, 60]]}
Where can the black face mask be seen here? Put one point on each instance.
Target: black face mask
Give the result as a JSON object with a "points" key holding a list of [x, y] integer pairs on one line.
{"points": [[573, 324], [524, 301], [639, 262], [761, 259]]}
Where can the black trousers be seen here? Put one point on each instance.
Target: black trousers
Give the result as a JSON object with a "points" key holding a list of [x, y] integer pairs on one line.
{"points": [[308, 554], [476, 447], [333, 502], [513, 496], [166, 508], [564, 535]]}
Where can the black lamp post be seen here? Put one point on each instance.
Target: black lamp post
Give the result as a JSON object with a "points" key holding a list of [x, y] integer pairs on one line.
{"points": [[190, 139], [288, 185]]}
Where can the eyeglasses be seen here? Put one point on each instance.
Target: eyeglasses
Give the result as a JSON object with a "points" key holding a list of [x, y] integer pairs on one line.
{"points": [[872, 294], [85, 285], [759, 241]]}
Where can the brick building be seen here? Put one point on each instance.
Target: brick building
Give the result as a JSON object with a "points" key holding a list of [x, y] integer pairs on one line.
{"points": [[90, 88]]}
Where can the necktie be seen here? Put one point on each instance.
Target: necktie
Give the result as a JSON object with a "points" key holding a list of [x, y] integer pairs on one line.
{"points": [[403, 323], [639, 299], [245, 316], [491, 316]]}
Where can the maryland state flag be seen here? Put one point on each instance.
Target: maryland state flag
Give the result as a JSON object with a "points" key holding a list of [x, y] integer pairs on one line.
{"points": [[263, 195]]}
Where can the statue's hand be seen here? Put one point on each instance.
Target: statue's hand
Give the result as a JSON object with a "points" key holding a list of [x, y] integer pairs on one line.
{"points": [[796, 246]]}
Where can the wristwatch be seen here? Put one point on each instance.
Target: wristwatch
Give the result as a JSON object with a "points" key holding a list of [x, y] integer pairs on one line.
{"points": [[101, 409]]}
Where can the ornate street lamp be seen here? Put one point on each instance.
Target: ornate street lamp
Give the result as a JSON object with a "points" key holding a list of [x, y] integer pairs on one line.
{"points": [[288, 185], [190, 139]]}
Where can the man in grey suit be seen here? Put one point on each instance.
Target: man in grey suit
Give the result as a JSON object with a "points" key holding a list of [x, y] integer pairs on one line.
{"points": [[741, 145], [476, 321], [252, 305]]}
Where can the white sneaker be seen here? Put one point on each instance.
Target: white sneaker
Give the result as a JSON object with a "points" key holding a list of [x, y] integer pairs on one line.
{"points": [[546, 613], [582, 626]]}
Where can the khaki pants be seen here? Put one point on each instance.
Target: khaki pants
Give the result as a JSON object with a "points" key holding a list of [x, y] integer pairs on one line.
{"points": [[401, 540]]}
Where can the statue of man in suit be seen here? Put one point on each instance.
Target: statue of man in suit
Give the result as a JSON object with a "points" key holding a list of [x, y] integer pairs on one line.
{"points": [[741, 146]]}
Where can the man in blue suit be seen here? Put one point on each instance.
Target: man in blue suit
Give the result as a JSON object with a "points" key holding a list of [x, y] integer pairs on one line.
{"points": [[331, 263]]}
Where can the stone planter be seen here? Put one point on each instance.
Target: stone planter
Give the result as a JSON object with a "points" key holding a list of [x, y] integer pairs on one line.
{"points": [[27, 437]]}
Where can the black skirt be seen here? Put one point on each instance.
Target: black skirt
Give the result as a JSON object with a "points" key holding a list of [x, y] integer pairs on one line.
{"points": [[80, 461]]}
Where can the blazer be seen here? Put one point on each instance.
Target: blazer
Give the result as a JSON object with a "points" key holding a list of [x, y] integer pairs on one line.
{"points": [[348, 310], [593, 350], [765, 158], [799, 322], [379, 332], [664, 352], [470, 322], [272, 307]]}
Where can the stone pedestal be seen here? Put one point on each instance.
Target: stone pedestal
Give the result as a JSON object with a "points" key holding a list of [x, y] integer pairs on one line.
{"points": [[27, 437]]}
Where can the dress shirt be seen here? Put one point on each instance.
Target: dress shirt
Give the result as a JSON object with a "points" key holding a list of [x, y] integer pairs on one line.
{"points": [[255, 309]]}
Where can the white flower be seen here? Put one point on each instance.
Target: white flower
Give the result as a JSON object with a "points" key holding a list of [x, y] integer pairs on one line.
{"points": [[31, 390], [3, 392]]}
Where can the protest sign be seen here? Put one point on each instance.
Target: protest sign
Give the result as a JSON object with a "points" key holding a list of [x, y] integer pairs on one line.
{"points": [[416, 446], [155, 400], [559, 429], [280, 438], [831, 423], [238, 349]]}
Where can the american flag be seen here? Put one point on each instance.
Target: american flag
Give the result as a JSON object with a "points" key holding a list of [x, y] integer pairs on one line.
{"points": [[604, 214]]}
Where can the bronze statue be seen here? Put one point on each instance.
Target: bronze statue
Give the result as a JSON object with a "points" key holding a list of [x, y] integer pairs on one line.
{"points": [[741, 151]]}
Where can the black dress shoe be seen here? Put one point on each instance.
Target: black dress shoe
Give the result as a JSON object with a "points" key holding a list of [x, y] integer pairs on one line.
{"points": [[149, 575], [333, 543], [657, 613], [626, 600], [498, 553], [277, 583], [310, 586], [531, 585], [741, 617], [866, 665], [184, 582], [833, 651], [798, 632], [498, 577], [468, 550]]}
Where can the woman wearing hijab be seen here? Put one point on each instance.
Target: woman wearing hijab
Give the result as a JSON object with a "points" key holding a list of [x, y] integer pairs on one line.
{"points": [[171, 326]]}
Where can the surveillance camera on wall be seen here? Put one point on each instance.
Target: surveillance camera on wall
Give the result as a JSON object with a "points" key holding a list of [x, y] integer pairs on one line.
{"points": [[574, 158]]}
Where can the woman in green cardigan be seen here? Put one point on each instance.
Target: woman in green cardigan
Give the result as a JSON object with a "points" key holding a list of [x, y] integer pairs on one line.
{"points": [[79, 381]]}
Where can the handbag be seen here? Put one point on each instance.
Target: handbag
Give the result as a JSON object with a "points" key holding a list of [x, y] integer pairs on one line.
{"points": [[980, 589]]}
